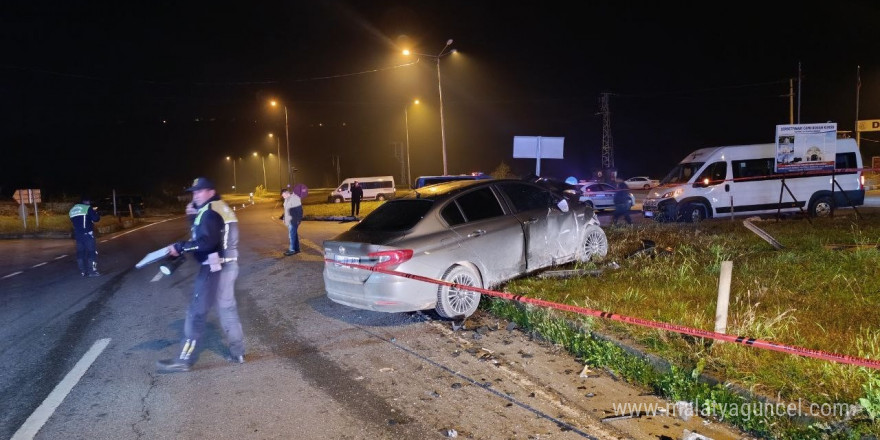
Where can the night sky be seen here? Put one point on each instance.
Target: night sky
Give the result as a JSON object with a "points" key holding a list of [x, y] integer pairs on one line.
{"points": [[145, 96]]}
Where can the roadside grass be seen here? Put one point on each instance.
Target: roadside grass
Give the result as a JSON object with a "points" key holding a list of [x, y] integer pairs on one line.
{"points": [[805, 295]]}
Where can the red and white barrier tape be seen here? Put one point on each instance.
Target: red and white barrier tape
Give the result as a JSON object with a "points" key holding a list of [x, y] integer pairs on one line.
{"points": [[769, 345]]}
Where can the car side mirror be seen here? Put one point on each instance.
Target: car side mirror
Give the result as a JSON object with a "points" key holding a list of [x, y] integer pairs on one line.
{"points": [[562, 205]]}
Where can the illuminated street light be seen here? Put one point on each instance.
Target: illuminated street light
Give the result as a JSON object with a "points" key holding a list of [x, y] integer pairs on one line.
{"points": [[278, 147], [274, 103], [436, 58], [263, 160], [234, 183], [406, 126]]}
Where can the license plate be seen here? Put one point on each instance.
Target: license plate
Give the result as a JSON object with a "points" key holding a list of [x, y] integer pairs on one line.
{"points": [[346, 259]]}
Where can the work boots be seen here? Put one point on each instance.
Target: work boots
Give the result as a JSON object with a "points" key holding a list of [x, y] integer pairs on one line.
{"points": [[182, 363]]}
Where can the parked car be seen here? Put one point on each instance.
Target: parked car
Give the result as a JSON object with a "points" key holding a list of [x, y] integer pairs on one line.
{"points": [[600, 195], [641, 182], [472, 233]]}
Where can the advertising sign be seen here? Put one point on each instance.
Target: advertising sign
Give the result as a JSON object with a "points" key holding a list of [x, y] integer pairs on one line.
{"points": [[538, 147], [806, 147]]}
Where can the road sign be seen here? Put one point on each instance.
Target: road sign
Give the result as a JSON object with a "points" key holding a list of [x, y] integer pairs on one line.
{"points": [[24, 196], [868, 125]]}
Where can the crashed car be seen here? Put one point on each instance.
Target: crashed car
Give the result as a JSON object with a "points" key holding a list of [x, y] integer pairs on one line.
{"points": [[471, 233]]}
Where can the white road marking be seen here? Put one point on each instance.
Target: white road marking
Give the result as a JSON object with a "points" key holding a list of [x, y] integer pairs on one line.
{"points": [[11, 275], [32, 425], [38, 265], [60, 257]]}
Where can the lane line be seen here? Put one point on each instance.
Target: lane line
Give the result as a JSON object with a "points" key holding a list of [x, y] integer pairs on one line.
{"points": [[11, 275], [60, 256], [32, 425], [38, 265]]}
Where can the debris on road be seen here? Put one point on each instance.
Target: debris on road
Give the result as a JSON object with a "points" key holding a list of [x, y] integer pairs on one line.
{"points": [[760, 232]]}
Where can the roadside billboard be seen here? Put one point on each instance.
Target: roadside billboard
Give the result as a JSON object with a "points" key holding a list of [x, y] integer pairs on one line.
{"points": [[806, 147]]}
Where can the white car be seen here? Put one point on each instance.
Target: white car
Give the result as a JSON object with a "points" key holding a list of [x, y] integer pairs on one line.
{"points": [[600, 195], [641, 182]]}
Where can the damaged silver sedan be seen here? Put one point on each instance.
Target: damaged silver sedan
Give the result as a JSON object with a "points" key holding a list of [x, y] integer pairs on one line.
{"points": [[471, 233]]}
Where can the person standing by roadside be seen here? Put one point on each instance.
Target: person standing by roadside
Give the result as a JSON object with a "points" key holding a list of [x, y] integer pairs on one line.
{"points": [[293, 214], [621, 204], [83, 216], [357, 193], [206, 245]]}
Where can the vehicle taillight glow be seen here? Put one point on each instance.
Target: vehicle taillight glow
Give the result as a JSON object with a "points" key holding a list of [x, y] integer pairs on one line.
{"points": [[390, 259]]}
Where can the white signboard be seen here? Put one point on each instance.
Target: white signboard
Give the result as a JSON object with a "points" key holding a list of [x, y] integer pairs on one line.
{"points": [[806, 147], [537, 147]]}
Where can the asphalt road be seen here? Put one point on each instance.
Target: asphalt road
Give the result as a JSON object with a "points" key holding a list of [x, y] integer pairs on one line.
{"points": [[79, 356]]}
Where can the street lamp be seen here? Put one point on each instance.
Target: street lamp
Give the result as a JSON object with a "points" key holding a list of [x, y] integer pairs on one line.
{"points": [[436, 58], [263, 159], [234, 183], [406, 126], [278, 147], [274, 103]]}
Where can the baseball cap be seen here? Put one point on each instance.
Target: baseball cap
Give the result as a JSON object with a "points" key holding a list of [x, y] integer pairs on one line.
{"points": [[201, 183]]}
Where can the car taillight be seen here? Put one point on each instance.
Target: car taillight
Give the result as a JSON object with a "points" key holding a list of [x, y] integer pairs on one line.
{"points": [[390, 259]]}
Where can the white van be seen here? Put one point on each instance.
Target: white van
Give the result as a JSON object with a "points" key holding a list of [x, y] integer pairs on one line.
{"points": [[741, 180], [375, 188]]}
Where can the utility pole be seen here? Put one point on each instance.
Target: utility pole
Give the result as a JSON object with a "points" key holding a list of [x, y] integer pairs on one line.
{"points": [[607, 142]]}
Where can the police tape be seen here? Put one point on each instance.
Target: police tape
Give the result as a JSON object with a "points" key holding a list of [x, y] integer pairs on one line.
{"points": [[752, 342]]}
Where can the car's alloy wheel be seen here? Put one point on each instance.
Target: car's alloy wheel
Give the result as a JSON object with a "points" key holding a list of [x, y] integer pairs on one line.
{"points": [[455, 302], [595, 243]]}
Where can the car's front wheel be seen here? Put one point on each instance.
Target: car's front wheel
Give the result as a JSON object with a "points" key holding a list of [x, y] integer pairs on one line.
{"points": [[380, 197], [595, 243], [455, 301]]}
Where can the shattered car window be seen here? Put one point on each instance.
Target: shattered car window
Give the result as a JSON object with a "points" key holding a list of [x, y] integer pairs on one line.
{"points": [[526, 197]]}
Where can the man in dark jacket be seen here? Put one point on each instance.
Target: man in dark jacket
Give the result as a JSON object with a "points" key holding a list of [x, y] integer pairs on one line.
{"points": [[83, 216], [206, 245], [357, 193], [622, 203]]}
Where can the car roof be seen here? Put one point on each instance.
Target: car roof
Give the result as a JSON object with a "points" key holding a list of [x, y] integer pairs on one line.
{"points": [[448, 189]]}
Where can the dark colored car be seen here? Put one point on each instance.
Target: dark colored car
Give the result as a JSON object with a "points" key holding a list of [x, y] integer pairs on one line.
{"points": [[123, 206], [471, 232]]}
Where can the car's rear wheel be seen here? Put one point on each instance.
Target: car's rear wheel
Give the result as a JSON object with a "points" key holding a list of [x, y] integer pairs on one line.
{"points": [[595, 243], [380, 197], [821, 207], [455, 301]]}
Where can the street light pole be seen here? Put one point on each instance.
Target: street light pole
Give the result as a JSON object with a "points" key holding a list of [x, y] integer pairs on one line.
{"points": [[274, 103], [442, 122], [287, 139], [234, 183], [436, 58], [278, 147], [406, 126], [263, 160]]}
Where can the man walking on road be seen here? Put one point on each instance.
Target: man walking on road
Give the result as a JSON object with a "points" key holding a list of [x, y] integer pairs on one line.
{"points": [[83, 216], [227, 308], [293, 214], [206, 245]]}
